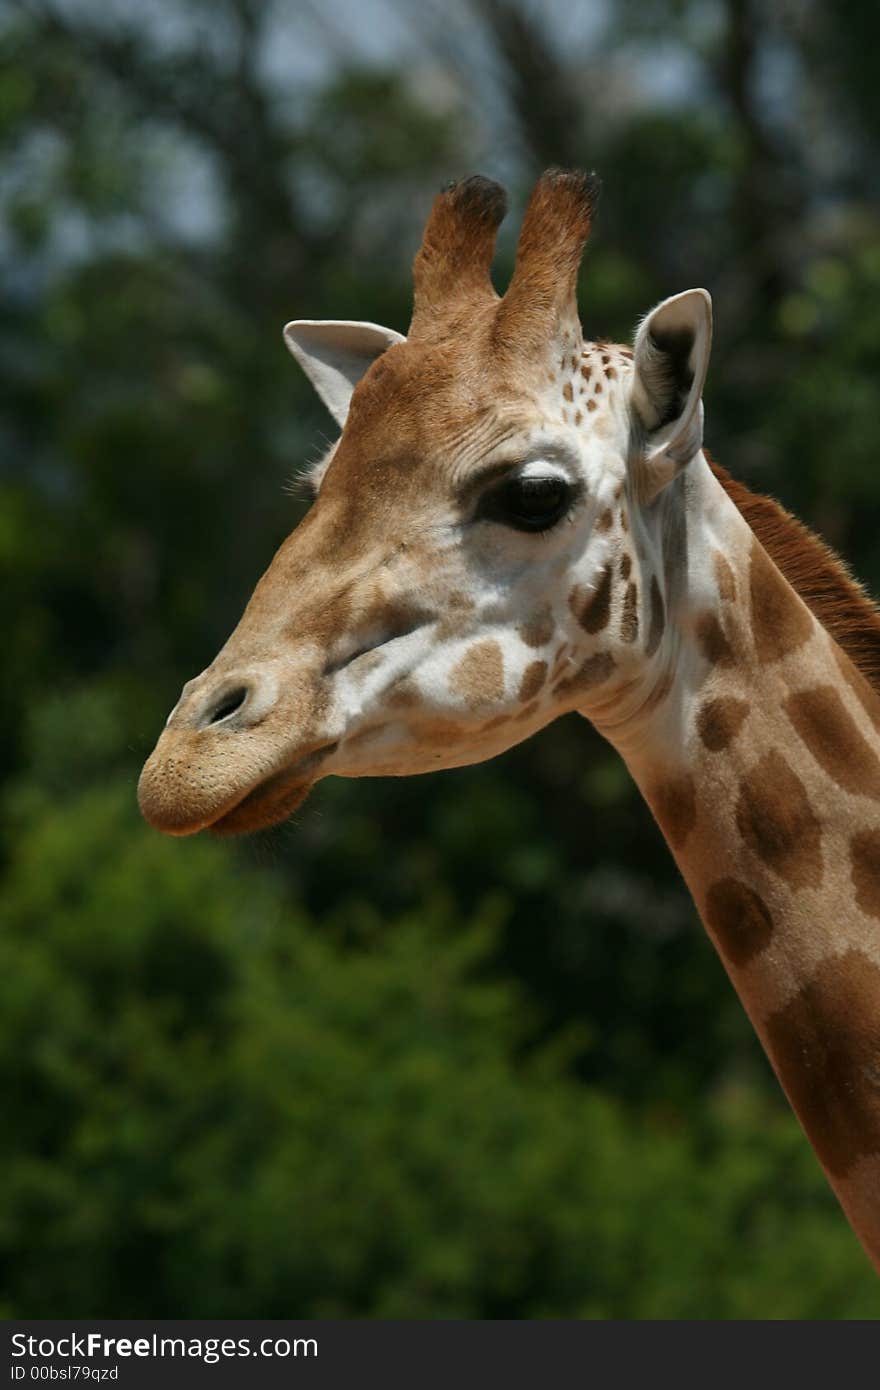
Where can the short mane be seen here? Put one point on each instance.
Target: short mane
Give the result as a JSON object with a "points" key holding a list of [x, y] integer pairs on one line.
{"points": [[812, 568]]}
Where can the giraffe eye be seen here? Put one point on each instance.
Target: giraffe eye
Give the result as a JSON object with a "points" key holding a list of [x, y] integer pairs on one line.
{"points": [[529, 504]]}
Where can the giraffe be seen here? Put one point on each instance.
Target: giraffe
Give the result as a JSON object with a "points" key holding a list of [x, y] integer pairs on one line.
{"points": [[516, 523]]}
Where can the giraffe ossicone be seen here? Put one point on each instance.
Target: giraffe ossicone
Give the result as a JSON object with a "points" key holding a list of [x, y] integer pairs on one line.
{"points": [[516, 522]]}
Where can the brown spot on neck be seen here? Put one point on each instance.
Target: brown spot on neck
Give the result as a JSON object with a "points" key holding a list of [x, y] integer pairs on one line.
{"points": [[831, 734], [739, 919], [864, 856], [712, 641], [720, 720], [777, 822], [673, 800], [825, 1045], [866, 694], [780, 622]]}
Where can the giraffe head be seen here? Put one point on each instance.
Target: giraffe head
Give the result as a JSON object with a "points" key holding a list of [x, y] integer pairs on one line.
{"points": [[483, 551]]}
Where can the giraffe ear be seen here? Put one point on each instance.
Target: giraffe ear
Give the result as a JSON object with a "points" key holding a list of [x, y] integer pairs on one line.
{"points": [[671, 359], [335, 354]]}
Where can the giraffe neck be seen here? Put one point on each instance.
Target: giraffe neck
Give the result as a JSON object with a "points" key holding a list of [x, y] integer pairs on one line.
{"points": [[759, 754]]}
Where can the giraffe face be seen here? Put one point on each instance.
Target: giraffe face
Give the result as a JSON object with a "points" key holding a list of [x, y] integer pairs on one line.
{"points": [[467, 572], [495, 540]]}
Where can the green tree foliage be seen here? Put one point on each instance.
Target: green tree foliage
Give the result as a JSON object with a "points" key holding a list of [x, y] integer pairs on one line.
{"points": [[449, 1046], [218, 1108]]}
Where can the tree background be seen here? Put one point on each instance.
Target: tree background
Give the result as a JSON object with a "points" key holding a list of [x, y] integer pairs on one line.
{"points": [[453, 1046]]}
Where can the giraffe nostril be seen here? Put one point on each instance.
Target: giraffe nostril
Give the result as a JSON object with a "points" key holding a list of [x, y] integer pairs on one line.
{"points": [[230, 703]]}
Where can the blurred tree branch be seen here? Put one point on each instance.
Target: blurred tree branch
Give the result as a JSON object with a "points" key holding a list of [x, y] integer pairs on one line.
{"points": [[765, 204], [550, 115], [236, 121]]}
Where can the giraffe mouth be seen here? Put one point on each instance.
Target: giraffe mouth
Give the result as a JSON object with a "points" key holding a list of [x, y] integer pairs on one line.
{"points": [[273, 800]]}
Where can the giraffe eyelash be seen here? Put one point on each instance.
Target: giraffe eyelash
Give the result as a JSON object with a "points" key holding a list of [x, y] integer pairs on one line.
{"points": [[306, 483], [300, 486]]}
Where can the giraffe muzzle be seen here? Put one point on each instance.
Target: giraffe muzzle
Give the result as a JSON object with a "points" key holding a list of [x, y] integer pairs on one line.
{"points": [[237, 742]]}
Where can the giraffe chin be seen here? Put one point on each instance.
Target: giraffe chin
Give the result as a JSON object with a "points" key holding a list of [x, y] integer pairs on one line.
{"points": [[269, 804]]}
